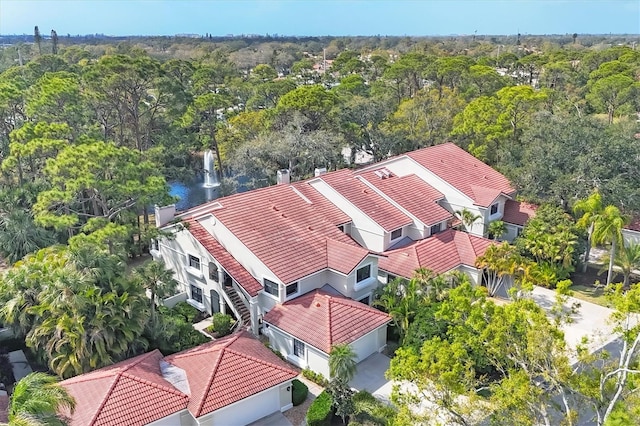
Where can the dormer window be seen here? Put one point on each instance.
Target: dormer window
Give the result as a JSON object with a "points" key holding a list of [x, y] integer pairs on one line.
{"points": [[494, 209], [435, 229], [363, 273], [194, 262], [396, 234], [292, 289], [271, 287]]}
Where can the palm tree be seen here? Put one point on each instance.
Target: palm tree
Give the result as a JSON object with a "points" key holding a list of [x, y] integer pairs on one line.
{"points": [[342, 363], [497, 228], [156, 278], [628, 260], [590, 208], [607, 228], [468, 218], [37, 400], [20, 236]]}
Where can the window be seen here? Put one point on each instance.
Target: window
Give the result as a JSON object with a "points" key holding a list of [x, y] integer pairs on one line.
{"points": [[194, 262], [196, 293], [341, 228], [494, 209], [364, 300], [298, 348], [213, 271], [435, 229], [292, 289], [271, 287], [363, 273], [396, 234], [390, 278]]}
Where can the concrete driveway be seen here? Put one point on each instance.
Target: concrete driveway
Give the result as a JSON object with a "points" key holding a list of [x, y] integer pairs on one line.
{"points": [[370, 377], [589, 320]]}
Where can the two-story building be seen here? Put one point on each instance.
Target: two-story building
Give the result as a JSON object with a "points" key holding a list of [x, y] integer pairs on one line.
{"points": [[313, 251]]}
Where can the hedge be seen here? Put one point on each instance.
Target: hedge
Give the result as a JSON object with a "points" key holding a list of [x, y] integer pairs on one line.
{"points": [[316, 378], [321, 410], [299, 392]]}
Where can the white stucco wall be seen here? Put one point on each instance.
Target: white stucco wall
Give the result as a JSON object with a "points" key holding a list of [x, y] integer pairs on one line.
{"points": [[247, 410], [474, 274], [512, 232], [370, 343], [181, 418], [363, 229], [631, 236]]}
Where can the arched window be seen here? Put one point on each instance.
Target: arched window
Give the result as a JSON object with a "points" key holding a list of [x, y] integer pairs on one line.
{"points": [[213, 271]]}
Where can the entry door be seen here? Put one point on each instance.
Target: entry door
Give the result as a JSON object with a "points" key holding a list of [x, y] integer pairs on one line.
{"points": [[215, 302]]}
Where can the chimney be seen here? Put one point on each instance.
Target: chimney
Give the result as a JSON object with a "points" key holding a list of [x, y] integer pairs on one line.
{"points": [[164, 214], [283, 177], [320, 172]]}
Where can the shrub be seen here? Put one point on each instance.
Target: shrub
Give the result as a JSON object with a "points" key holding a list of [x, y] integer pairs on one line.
{"points": [[299, 392], [188, 312], [174, 334], [316, 378], [370, 411], [321, 410], [221, 323]]}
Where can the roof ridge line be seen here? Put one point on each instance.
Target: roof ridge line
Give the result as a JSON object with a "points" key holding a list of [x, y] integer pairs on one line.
{"points": [[104, 400], [214, 371], [156, 385], [142, 357], [330, 329], [261, 361]]}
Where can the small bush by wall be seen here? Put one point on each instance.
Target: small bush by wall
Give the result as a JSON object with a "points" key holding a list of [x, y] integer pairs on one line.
{"points": [[299, 392], [190, 314], [316, 378], [222, 323], [321, 410]]}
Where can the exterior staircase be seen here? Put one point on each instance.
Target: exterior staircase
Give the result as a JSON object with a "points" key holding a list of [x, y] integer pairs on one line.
{"points": [[239, 306]]}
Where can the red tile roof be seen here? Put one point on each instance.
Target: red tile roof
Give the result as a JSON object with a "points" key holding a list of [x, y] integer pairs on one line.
{"points": [[323, 206], [412, 194], [323, 320], [131, 392], [366, 200], [228, 370], [227, 261], [344, 257], [634, 224], [518, 212], [463, 171], [278, 224], [440, 253]]}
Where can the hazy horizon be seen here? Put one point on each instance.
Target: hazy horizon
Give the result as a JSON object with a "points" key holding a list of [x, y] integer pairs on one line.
{"points": [[320, 18]]}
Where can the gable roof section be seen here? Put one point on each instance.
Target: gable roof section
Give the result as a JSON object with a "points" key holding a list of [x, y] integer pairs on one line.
{"points": [[228, 262], [517, 212], [412, 194], [323, 320], [440, 253], [344, 257], [277, 225], [322, 205], [463, 171], [366, 200], [131, 392], [228, 370]]}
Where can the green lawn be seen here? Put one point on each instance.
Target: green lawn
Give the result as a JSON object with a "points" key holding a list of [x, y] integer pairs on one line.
{"points": [[589, 294]]}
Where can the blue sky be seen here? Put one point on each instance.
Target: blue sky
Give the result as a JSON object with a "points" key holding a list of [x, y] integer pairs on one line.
{"points": [[320, 17]]}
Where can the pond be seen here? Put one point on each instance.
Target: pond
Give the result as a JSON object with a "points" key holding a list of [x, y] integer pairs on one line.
{"points": [[192, 193]]}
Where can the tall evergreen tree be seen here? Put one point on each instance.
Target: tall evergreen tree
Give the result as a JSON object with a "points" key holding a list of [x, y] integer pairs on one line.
{"points": [[37, 38]]}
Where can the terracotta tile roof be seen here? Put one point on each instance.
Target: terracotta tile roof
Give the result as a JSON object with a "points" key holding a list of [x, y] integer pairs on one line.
{"points": [[463, 171], [344, 257], [227, 261], [323, 320], [634, 224], [4, 409], [131, 392], [323, 206], [366, 200], [228, 370], [277, 224], [439, 253], [413, 194], [518, 212]]}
